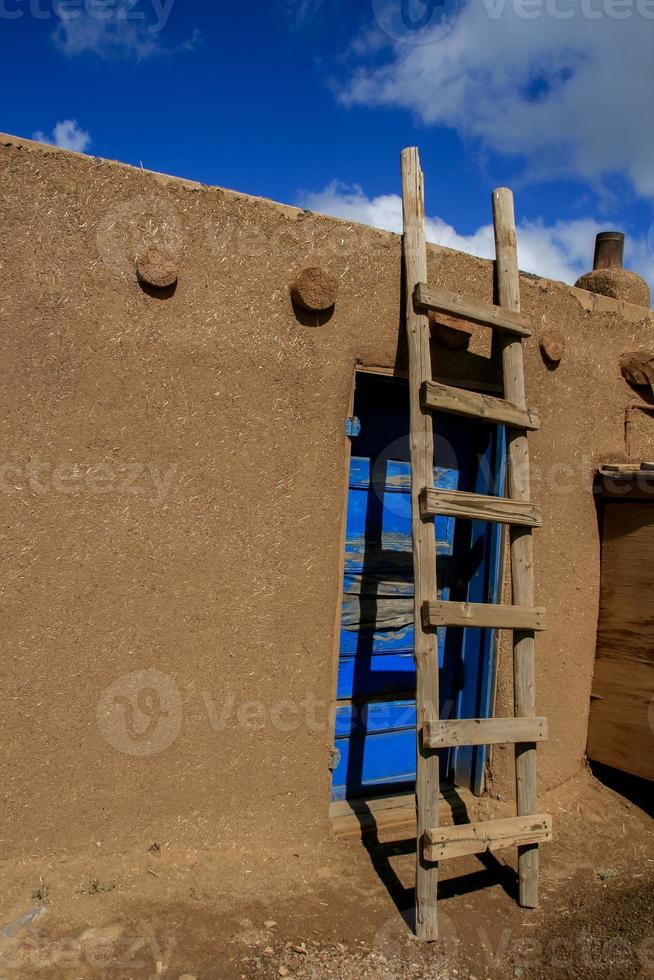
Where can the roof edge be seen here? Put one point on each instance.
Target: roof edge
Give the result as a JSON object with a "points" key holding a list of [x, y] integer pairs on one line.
{"points": [[592, 302]]}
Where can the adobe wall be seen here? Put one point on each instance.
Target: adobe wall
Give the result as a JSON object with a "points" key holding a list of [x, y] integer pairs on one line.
{"points": [[173, 476]]}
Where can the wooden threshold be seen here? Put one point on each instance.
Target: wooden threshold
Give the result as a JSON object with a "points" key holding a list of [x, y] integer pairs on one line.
{"points": [[392, 817]]}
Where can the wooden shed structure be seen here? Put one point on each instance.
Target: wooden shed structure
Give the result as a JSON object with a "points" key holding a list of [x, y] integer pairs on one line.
{"points": [[621, 724]]}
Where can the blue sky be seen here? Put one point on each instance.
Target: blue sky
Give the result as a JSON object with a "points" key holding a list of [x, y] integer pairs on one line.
{"points": [[310, 102]]}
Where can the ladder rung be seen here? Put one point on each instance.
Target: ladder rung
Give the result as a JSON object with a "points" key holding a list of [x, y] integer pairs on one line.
{"points": [[477, 507], [462, 402], [495, 317], [491, 835], [483, 616], [484, 731]]}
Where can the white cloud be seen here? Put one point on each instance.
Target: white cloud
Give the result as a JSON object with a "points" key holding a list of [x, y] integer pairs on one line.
{"points": [[66, 134], [301, 10], [566, 83], [105, 38], [561, 251], [118, 32]]}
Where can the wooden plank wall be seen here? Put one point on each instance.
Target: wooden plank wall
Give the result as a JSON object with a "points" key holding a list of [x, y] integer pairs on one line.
{"points": [[620, 730]]}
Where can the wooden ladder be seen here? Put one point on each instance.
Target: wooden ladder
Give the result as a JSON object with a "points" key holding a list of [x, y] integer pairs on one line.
{"points": [[525, 730]]}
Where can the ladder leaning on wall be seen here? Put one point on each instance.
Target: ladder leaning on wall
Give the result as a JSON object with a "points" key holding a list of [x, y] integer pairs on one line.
{"points": [[529, 828]]}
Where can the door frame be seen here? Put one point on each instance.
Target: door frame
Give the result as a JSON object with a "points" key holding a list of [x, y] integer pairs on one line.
{"points": [[498, 558]]}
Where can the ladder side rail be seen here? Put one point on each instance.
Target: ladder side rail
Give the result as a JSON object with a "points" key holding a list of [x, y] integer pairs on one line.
{"points": [[521, 539], [424, 539]]}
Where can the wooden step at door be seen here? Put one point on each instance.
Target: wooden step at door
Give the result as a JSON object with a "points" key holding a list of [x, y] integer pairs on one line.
{"points": [[495, 317], [484, 731], [444, 398], [479, 507], [442, 843]]}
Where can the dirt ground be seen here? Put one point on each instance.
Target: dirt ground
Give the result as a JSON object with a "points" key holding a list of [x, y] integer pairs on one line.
{"points": [[334, 911]]}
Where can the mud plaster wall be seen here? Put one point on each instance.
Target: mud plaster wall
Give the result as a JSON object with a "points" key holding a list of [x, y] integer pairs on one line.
{"points": [[183, 510]]}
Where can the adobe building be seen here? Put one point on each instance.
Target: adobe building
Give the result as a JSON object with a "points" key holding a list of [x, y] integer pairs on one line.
{"points": [[206, 609]]}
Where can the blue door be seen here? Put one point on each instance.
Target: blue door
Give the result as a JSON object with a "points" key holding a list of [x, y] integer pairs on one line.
{"points": [[375, 737]]}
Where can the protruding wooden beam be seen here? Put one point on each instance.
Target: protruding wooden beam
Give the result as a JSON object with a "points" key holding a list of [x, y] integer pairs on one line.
{"points": [[315, 290], [157, 269], [552, 345]]}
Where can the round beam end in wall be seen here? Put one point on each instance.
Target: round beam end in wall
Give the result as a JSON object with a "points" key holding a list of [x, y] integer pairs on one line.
{"points": [[156, 269], [552, 345], [315, 290]]}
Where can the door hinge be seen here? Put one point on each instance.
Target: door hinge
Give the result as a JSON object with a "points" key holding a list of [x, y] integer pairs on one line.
{"points": [[352, 426]]}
